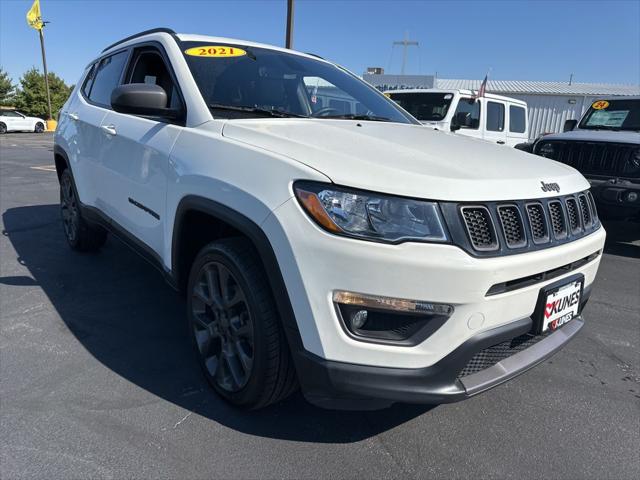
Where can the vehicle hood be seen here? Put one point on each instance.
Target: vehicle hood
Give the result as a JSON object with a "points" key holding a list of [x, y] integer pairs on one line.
{"points": [[596, 136], [407, 160]]}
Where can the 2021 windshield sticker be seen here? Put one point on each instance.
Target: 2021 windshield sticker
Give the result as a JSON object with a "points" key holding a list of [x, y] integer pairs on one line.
{"points": [[216, 51]]}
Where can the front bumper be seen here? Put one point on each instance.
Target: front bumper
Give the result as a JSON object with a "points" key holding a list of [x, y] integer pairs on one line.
{"points": [[338, 385], [315, 264], [616, 197]]}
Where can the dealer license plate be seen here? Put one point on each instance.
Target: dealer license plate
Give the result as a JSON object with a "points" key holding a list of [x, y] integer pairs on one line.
{"points": [[561, 305]]}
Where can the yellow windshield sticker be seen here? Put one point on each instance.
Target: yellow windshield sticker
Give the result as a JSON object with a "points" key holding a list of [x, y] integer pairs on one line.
{"points": [[215, 51], [600, 105], [388, 95]]}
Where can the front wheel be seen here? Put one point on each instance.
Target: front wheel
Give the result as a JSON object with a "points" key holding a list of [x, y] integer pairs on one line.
{"points": [[3, 128], [39, 128], [80, 235], [240, 343]]}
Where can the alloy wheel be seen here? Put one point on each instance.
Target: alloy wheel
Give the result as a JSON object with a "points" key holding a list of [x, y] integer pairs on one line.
{"points": [[222, 327], [69, 208]]}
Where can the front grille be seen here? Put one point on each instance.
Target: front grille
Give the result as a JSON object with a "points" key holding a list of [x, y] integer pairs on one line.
{"points": [[512, 226], [557, 219], [490, 356], [503, 228], [538, 222], [592, 203], [584, 210], [572, 214], [596, 158], [480, 228]]}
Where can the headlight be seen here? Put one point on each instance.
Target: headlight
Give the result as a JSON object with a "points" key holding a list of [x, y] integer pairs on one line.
{"points": [[546, 149], [371, 216]]}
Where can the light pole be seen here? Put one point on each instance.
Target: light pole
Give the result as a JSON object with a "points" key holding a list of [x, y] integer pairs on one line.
{"points": [[289, 39]]}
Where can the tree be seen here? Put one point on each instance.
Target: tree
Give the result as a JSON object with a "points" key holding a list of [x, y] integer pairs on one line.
{"points": [[7, 89], [31, 98]]}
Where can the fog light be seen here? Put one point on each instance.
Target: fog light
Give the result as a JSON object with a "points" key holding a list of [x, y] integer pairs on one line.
{"points": [[389, 320], [631, 197], [358, 319]]}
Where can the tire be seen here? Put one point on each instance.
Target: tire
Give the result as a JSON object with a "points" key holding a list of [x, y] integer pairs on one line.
{"points": [[80, 235], [234, 325], [3, 128], [39, 128]]}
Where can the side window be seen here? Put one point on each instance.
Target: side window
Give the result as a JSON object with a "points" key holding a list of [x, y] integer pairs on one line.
{"points": [[467, 114], [495, 117], [107, 77], [88, 82], [9, 113], [148, 66], [517, 119]]}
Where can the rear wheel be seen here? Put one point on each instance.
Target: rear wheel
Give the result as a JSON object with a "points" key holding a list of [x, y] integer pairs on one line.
{"points": [[3, 128], [39, 128], [234, 324], [80, 235]]}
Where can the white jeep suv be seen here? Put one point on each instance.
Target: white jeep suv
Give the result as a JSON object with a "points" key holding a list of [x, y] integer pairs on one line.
{"points": [[322, 236]]}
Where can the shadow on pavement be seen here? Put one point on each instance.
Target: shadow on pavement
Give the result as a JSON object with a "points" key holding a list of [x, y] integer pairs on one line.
{"points": [[120, 310], [620, 235]]}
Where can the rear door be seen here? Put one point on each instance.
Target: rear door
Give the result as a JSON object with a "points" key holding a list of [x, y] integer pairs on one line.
{"points": [[518, 131], [135, 162], [495, 122], [86, 112]]}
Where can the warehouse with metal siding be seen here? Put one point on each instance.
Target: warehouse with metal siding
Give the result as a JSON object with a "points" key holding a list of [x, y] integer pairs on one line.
{"points": [[550, 103]]}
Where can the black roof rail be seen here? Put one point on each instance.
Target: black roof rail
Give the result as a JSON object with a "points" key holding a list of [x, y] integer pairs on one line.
{"points": [[146, 32]]}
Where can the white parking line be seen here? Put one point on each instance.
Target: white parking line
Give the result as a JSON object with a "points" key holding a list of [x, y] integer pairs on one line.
{"points": [[46, 168]]}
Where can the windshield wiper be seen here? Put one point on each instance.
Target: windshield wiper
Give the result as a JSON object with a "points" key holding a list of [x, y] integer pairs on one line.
{"points": [[257, 110], [351, 116]]}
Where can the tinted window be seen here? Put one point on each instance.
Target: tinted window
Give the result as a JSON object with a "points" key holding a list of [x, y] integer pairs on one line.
{"points": [[149, 67], [107, 77], [424, 106], [9, 113], [235, 81], [86, 88], [467, 114], [495, 117], [517, 119]]}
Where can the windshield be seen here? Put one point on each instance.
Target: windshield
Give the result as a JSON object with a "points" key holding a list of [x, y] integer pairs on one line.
{"points": [[612, 115], [248, 82], [424, 106]]}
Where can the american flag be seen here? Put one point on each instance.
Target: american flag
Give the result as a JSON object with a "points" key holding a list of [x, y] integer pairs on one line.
{"points": [[483, 87]]}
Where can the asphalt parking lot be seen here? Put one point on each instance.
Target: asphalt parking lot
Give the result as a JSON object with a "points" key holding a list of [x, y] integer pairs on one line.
{"points": [[98, 378]]}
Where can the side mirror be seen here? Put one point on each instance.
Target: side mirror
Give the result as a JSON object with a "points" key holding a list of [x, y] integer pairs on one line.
{"points": [[454, 126], [142, 99], [525, 147], [569, 125]]}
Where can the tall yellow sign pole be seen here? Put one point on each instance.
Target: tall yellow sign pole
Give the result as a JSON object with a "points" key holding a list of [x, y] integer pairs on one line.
{"points": [[34, 19]]}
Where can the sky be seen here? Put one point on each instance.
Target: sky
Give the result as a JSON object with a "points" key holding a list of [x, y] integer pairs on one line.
{"points": [[596, 41]]}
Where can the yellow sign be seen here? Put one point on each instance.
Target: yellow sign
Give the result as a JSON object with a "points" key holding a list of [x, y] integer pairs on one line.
{"points": [[34, 17], [215, 51], [600, 105]]}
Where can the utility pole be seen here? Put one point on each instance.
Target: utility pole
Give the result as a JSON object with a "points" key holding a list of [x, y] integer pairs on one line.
{"points": [[46, 74], [289, 39], [405, 44], [570, 79]]}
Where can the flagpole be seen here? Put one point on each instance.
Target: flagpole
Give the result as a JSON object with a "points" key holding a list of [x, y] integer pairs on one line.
{"points": [[46, 74]]}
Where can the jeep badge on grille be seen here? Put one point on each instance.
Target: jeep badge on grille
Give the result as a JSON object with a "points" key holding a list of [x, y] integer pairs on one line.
{"points": [[549, 187]]}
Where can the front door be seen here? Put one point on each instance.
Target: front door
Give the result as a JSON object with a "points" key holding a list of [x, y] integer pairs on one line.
{"points": [[136, 158]]}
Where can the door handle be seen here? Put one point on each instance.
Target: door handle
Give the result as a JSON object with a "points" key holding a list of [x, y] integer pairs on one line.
{"points": [[109, 129], [500, 142], [74, 117]]}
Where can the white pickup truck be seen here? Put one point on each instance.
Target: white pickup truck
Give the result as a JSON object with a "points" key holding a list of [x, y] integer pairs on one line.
{"points": [[494, 118]]}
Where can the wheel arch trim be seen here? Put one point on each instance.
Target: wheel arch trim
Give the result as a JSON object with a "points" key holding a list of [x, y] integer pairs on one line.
{"points": [[260, 241]]}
